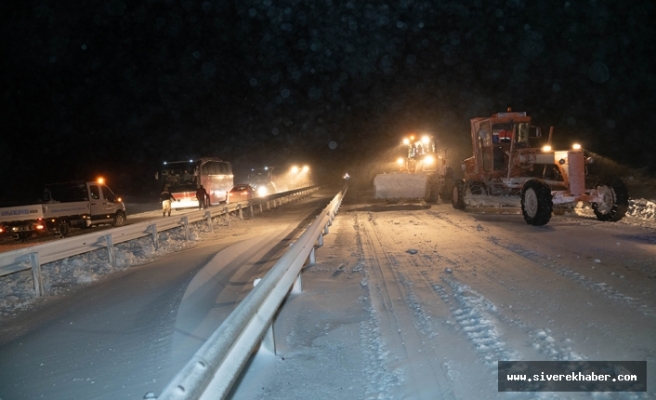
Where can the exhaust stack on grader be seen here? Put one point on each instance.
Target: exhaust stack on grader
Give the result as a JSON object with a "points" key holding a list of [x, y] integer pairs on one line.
{"points": [[505, 162]]}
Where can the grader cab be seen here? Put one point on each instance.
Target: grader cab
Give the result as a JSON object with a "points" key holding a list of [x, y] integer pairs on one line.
{"points": [[508, 161]]}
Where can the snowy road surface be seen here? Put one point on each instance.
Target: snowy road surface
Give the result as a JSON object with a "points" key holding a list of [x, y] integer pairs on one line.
{"points": [[405, 302], [129, 334], [421, 303]]}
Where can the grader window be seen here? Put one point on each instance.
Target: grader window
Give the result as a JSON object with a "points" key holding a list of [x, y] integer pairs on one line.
{"points": [[523, 133], [502, 133]]}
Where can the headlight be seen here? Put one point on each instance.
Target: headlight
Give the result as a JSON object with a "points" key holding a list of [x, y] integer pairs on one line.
{"points": [[546, 148], [576, 146], [400, 161], [262, 191], [429, 160]]}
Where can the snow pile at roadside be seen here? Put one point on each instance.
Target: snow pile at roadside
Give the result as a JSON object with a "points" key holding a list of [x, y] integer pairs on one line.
{"points": [[643, 209], [17, 290]]}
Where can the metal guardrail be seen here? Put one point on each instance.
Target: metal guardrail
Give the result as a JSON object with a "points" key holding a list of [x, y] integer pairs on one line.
{"points": [[217, 364], [33, 257]]}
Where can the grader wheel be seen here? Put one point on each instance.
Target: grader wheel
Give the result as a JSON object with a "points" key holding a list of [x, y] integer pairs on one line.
{"points": [[537, 203], [615, 203], [458, 195]]}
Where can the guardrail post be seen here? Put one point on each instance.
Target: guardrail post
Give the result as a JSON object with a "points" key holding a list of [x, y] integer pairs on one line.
{"points": [[268, 205], [297, 287], [36, 273], [325, 229], [185, 223], [110, 249], [268, 342], [312, 259], [208, 216], [153, 232], [241, 214], [226, 213], [320, 241], [261, 207], [251, 208]]}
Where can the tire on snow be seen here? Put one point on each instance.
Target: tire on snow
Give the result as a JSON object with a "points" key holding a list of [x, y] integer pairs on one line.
{"points": [[449, 181], [615, 204], [63, 228], [433, 185], [458, 195], [537, 202], [119, 219]]}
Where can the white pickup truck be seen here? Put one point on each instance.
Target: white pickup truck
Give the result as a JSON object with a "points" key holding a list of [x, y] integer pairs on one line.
{"points": [[65, 205]]}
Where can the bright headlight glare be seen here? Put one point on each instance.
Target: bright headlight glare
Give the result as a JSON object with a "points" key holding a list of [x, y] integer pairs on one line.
{"points": [[406, 141], [400, 161], [576, 146], [546, 148], [425, 139], [262, 191], [429, 160]]}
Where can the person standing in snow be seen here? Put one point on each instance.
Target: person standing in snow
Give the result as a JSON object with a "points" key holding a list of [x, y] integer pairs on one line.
{"points": [[166, 197], [201, 195]]}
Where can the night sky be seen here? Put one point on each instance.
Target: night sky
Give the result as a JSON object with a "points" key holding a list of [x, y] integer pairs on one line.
{"points": [[115, 87]]}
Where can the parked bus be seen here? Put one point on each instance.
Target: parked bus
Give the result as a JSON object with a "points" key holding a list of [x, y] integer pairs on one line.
{"points": [[184, 177]]}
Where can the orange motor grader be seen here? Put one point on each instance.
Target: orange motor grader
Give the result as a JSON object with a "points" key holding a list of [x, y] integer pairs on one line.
{"points": [[507, 162]]}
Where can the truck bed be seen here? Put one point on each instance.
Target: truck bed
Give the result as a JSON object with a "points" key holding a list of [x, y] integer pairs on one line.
{"points": [[47, 210]]}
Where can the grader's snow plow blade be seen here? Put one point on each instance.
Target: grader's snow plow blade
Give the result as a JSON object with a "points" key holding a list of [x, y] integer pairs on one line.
{"points": [[401, 186]]}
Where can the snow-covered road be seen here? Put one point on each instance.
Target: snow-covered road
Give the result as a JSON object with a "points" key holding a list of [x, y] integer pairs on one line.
{"points": [[128, 334], [421, 303], [405, 301]]}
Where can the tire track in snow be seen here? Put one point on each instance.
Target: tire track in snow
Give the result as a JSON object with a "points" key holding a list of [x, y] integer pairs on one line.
{"points": [[588, 283], [478, 316], [381, 381], [544, 261], [396, 308]]}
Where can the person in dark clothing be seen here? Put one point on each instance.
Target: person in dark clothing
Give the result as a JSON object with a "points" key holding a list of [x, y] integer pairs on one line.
{"points": [[202, 196], [166, 198]]}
